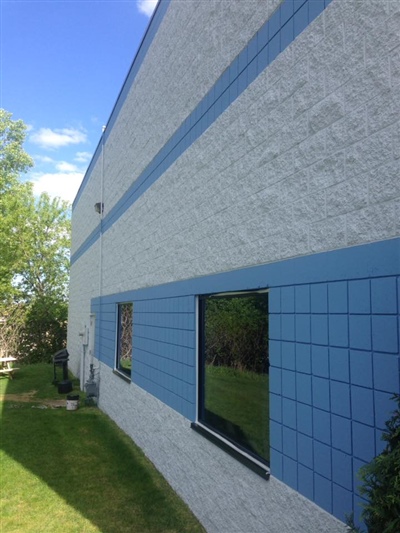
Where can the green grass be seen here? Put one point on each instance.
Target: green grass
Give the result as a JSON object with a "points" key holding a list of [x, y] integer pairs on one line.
{"points": [[76, 471], [37, 378], [242, 400]]}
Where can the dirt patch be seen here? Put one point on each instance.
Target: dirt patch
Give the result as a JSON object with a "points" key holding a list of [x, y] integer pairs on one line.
{"points": [[29, 397]]}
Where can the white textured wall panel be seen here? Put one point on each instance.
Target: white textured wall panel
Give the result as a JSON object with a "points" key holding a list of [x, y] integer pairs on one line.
{"points": [[178, 70], [85, 219], [293, 166]]}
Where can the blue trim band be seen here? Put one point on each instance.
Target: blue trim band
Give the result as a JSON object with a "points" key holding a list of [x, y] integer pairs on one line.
{"points": [[288, 21]]}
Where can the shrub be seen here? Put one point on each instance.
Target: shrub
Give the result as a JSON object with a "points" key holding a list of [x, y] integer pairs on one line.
{"points": [[381, 482], [33, 332]]}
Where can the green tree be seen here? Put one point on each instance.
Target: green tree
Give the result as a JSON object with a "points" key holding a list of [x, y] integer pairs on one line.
{"points": [[42, 278], [236, 333], [34, 254], [44, 250], [15, 197], [13, 159]]}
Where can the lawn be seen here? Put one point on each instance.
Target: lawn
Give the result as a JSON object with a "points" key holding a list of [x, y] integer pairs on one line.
{"points": [[76, 471]]}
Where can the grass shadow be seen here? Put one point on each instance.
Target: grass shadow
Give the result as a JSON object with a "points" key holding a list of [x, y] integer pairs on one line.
{"points": [[77, 470]]}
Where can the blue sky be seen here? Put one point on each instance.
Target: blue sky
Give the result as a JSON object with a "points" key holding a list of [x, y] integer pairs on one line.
{"points": [[62, 65]]}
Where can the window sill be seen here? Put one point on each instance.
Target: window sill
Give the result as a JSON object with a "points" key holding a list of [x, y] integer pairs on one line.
{"points": [[122, 376], [258, 468]]}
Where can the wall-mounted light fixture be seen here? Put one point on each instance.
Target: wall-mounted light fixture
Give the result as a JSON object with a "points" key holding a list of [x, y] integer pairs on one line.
{"points": [[99, 207]]}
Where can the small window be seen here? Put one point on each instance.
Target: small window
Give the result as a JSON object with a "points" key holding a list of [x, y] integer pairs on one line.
{"points": [[124, 342], [234, 370]]}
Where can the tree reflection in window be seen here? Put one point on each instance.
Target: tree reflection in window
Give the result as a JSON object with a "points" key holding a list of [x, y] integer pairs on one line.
{"points": [[234, 380], [125, 331]]}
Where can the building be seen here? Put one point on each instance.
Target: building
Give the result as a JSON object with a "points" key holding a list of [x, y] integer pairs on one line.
{"points": [[251, 161]]}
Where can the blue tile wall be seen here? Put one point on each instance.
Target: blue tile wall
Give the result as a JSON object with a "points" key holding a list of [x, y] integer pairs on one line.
{"points": [[341, 434], [342, 500], [305, 450], [361, 368], [304, 388], [363, 441], [302, 299], [323, 459], [346, 373], [342, 469], [323, 492], [340, 399], [275, 407], [319, 298], [383, 408], [303, 358], [322, 426], [384, 296], [289, 415], [360, 297], [164, 350], [276, 435], [337, 297], [319, 329], [386, 372], [362, 405], [275, 354], [290, 472], [330, 393], [289, 437], [288, 327], [303, 328], [288, 359], [321, 393], [385, 333], [320, 361], [304, 419], [163, 358], [306, 481], [338, 330], [339, 364], [360, 332]]}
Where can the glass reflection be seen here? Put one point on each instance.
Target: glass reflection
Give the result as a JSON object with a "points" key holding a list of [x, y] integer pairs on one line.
{"points": [[235, 369]]}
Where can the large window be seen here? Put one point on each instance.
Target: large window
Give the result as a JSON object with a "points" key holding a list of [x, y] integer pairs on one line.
{"points": [[124, 338], [234, 370]]}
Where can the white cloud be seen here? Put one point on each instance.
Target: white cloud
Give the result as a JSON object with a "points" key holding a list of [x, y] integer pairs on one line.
{"points": [[65, 185], [43, 159], [83, 157], [50, 139], [146, 6], [63, 166]]}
